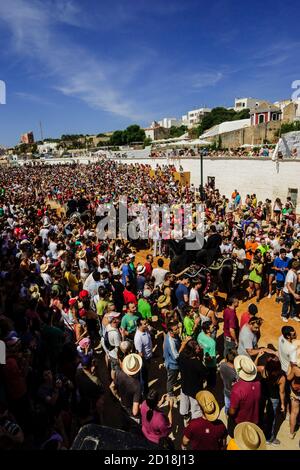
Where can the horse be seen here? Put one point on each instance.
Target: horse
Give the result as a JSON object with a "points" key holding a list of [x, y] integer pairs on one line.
{"points": [[222, 269]]}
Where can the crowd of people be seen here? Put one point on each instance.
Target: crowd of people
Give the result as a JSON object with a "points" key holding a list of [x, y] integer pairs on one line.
{"points": [[188, 152], [94, 333]]}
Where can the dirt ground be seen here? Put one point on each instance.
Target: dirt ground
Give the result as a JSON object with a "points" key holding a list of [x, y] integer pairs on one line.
{"points": [[268, 309]]}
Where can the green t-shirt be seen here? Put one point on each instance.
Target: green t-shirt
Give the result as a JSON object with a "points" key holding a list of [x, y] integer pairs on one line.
{"points": [[101, 306], [128, 322], [144, 309], [188, 324], [263, 249], [209, 347]]}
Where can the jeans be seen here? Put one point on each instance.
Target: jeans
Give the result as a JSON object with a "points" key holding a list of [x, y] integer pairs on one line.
{"points": [[226, 403], [273, 404], [189, 405], [172, 377], [289, 307]]}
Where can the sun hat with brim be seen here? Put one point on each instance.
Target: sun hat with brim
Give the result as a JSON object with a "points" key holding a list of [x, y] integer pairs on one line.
{"points": [[44, 268], [132, 364], [208, 404], [248, 436], [81, 254], [25, 242], [245, 368], [113, 315], [140, 269], [163, 301], [84, 343]]}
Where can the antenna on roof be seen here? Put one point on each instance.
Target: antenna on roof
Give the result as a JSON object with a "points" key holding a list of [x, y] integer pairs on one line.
{"points": [[41, 129]]}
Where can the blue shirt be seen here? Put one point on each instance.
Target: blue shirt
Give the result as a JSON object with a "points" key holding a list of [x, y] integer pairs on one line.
{"points": [[181, 291], [125, 273], [281, 263]]}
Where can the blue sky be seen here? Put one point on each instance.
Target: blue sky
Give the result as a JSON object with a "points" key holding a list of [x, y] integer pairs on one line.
{"points": [[89, 66]]}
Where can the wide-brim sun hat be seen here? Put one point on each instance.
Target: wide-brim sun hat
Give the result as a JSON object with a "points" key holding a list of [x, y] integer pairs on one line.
{"points": [[248, 436], [44, 268], [81, 254], [132, 364], [245, 368], [140, 269], [163, 301], [208, 404]]}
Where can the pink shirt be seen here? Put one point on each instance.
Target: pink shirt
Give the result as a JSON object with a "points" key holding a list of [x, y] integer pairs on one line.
{"points": [[158, 427]]}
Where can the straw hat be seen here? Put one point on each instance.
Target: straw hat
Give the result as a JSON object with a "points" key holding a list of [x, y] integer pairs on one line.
{"points": [[44, 268], [81, 254], [132, 364], [163, 301], [140, 269], [245, 368], [208, 404], [249, 436]]}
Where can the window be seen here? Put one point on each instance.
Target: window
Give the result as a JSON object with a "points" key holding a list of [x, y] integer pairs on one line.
{"points": [[275, 117], [293, 194]]}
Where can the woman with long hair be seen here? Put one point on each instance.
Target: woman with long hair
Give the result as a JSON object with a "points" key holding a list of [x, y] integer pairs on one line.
{"points": [[269, 273], [155, 425], [274, 384], [255, 276], [277, 208]]}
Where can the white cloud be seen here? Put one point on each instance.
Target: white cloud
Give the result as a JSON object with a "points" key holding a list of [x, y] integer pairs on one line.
{"points": [[206, 79], [75, 71]]}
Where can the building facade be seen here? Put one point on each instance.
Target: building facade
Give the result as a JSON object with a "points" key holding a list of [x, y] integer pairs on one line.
{"points": [[244, 103], [265, 112], [194, 117], [167, 123], [27, 138]]}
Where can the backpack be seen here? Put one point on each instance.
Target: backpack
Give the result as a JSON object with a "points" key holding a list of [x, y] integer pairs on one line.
{"points": [[107, 344]]}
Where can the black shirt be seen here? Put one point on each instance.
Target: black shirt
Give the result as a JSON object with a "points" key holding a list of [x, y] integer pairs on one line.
{"points": [[193, 373], [129, 389]]}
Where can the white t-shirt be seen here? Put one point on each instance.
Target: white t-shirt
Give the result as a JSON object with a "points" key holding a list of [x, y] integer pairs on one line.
{"points": [[287, 353], [194, 296], [241, 255], [159, 275], [290, 277]]}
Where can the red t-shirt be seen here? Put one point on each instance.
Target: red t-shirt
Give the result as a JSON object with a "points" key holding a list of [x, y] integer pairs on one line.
{"points": [[14, 380], [244, 319], [205, 435], [230, 321], [245, 398], [148, 270], [129, 297]]}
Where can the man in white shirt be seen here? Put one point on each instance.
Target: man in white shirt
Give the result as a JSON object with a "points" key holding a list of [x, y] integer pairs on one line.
{"points": [[159, 273], [289, 307], [194, 299], [143, 345], [287, 351]]}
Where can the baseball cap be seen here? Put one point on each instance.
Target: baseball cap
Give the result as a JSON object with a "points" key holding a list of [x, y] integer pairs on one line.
{"points": [[83, 294]]}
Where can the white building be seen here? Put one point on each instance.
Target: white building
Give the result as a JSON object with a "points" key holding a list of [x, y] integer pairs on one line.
{"points": [[167, 123], [243, 103], [47, 147], [194, 117], [283, 103]]}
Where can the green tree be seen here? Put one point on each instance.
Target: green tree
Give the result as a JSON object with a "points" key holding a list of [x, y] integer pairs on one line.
{"points": [[177, 131], [288, 127], [117, 138], [219, 115], [134, 133]]}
